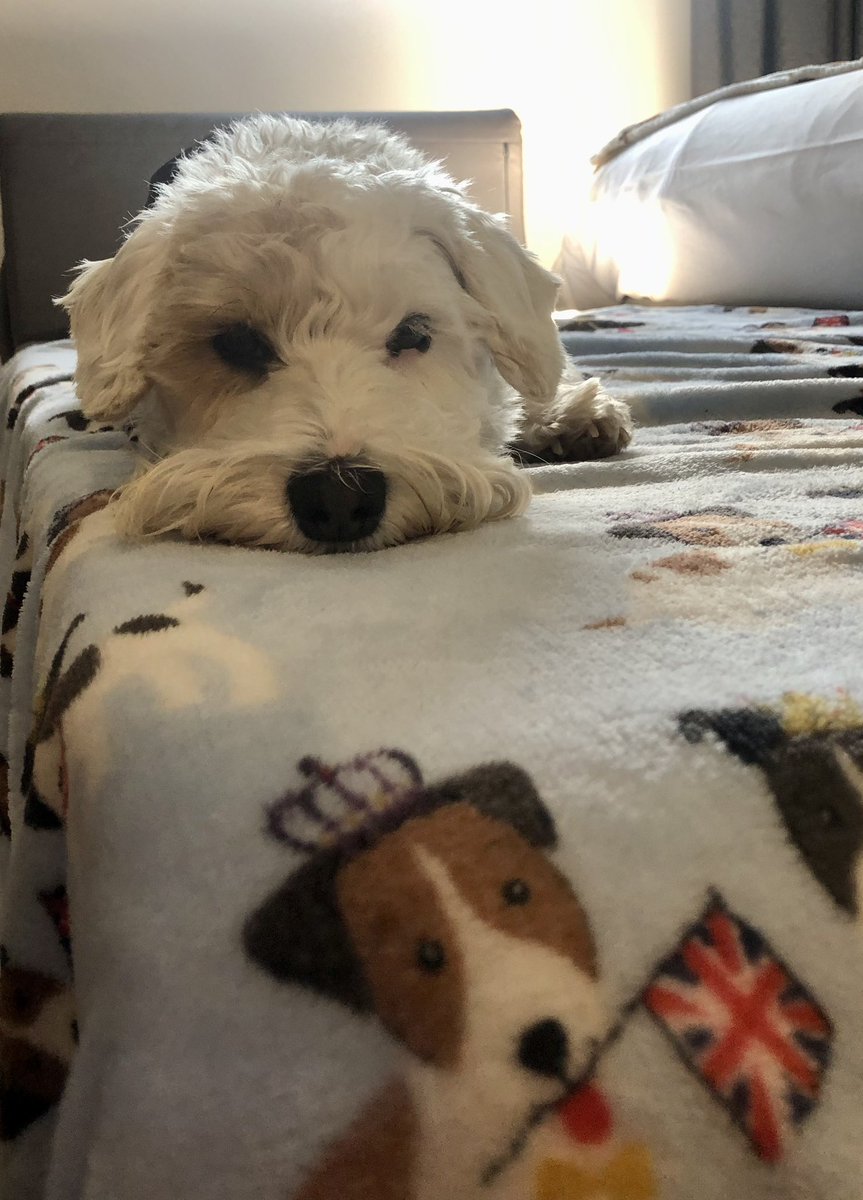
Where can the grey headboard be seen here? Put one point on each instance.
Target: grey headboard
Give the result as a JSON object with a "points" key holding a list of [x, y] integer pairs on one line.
{"points": [[68, 182]]}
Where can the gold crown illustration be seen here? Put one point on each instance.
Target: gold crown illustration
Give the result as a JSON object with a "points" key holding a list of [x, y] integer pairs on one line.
{"points": [[801, 714]]}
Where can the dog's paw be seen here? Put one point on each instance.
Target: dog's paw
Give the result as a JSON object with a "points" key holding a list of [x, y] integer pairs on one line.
{"points": [[583, 423]]}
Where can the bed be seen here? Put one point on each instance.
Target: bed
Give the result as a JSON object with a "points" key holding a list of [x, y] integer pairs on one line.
{"points": [[629, 724]]}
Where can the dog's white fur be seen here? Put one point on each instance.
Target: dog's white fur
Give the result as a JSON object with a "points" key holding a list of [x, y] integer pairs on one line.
{"points": [[509, 983], [323, 237]]}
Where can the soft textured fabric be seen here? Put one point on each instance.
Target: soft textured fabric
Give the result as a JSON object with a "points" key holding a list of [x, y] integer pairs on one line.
{"points": [[747, 195], [722, 362], [313, 860]]}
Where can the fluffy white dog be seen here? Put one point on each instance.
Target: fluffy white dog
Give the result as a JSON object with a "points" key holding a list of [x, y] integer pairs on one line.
{"points": [[336, 348]]}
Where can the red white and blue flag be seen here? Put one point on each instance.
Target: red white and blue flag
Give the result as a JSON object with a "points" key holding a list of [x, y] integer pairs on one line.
{"points": [[745, 1025]]}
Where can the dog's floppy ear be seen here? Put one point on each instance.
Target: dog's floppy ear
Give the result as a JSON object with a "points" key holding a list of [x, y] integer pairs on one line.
{"points": [[753, 734], [518, 294], [298, 935], [505, 792], [108, 306]]}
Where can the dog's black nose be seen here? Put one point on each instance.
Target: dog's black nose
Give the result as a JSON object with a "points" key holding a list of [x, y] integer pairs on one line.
{"points": [[338, 503], [544, 1048]]}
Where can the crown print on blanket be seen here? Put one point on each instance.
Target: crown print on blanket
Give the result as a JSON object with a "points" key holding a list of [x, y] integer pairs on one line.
{"points": [[436, 907], [337, 803]]}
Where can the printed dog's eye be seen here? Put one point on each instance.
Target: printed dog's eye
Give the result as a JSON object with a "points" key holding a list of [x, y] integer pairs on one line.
{"points": [[431, 956], [516, 891], [413, 333], [243, 347]]}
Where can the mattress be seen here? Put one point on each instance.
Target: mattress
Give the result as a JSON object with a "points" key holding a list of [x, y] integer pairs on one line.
{"points": [[515, 863]]}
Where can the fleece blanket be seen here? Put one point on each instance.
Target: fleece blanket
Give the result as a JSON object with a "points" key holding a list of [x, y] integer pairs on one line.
{"points": [[519, 864]]}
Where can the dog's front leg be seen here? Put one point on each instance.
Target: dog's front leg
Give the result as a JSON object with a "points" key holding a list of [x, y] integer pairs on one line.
{"points": [[581, 422]]}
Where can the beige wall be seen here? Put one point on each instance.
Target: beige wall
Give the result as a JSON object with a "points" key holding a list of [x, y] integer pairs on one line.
{"points": [[574, 70]]}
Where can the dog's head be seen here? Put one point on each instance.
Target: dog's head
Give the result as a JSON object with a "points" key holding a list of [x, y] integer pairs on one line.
{"points": [[332, 332], [456, 929]]}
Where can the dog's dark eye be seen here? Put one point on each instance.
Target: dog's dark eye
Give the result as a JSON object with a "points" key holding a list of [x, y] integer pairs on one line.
{"points": [[413, 333], [243, 347], [515, 892], [431, 957]]}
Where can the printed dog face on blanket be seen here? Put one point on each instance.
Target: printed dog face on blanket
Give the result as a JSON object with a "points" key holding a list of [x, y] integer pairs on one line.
{"points": [[334, 344], [443, 915], [477, 953], [810, 752]]}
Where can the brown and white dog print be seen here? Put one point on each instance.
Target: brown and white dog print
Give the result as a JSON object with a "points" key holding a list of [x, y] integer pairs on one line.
{"points": [[437, 908]]}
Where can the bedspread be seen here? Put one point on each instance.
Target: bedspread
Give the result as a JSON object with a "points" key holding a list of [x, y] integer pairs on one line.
{"points": [[522, 863]]}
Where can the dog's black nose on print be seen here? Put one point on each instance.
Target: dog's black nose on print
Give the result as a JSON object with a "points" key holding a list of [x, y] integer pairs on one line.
{"points": [[338, 503], [544, 1049]]}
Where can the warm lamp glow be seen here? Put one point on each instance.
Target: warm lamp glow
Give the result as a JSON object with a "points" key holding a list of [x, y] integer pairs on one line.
{"points": [[574, 71], [633, 233]]}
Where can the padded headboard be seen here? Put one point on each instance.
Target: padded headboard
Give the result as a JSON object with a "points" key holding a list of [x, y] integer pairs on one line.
{"points": [[68, 183]]}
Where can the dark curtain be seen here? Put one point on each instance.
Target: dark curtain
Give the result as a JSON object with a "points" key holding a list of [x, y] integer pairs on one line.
{"points": [[741, 39]]}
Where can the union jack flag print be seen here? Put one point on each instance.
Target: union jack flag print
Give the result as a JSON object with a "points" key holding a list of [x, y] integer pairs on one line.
{"points": [[742, 1022]]}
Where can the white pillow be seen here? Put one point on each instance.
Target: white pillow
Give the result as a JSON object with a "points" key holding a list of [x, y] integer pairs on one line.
{"points": [[749, 198]]}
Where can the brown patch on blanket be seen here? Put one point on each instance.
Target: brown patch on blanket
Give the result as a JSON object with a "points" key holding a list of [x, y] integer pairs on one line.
{"points": [[24, 993], [699, 562], [392, 912], [644, 576], [36, 1044], [33, 1082], [68, 522], [375, 1157], [607, 623], [479, 852], [722, 526], [726, 529], [766, 426]]}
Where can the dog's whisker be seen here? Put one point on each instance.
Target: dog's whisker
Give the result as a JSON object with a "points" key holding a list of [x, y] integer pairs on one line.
{"points": [[522, 452]]}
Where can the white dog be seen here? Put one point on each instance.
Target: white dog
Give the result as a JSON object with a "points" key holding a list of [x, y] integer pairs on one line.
{"points": [[338, 347]]}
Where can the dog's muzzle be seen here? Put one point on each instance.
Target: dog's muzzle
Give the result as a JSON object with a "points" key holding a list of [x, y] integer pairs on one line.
{"points": [[336, 503]]}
